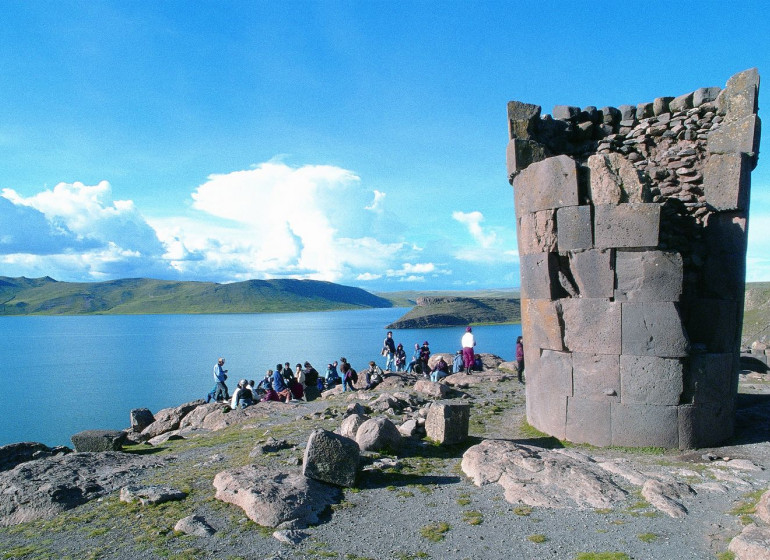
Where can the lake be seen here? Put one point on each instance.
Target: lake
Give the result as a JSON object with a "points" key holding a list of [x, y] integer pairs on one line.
{"points": [[63, 375]]}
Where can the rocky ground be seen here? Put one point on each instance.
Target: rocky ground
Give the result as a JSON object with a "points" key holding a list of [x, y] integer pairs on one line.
{"points": [[507, 492]]}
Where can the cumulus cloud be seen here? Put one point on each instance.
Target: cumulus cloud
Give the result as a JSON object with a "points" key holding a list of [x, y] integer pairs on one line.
{"points": [[376, 204], [472, 220]]}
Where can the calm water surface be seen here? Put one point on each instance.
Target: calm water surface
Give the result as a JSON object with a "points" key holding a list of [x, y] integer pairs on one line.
{"points": [[66, 374]]}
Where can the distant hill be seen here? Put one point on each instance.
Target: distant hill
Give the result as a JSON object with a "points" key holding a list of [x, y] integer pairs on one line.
{"points": [[46, 296], [456, 311], [756, 313]]}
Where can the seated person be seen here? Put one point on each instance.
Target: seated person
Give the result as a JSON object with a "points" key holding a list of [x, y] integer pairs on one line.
{"points": [[440, 370], [457, 362], [374, 375], [415, 359], [279, 385], [310, 374], [242, 395], [332, 377], [270, 394], [296, 388]]}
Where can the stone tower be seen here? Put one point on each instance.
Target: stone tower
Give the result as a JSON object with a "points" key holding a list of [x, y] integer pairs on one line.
{"points": [[632, 225]]}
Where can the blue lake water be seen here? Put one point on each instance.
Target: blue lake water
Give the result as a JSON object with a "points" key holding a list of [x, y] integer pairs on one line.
{"points": [[62, 375]]}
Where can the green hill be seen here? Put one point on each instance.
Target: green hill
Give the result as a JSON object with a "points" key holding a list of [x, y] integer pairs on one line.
{"points": [[45, 296]]}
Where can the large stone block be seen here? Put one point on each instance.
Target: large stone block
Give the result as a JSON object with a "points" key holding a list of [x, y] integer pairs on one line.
{"points": [[596, 376], [614, 179], [537, 233], [732, 137], [740, 96], [98, 440], [521, 153], [648, 275], [447, 422], [626, 225], [712, 323], [589, 421], [653, 329], [547, 412], [725, 267], [522, 119], [644, 425], [714, 423], [681, 103], [539, 275], [593, 274], [713, 377], [592, 326], [727, 180], [651, 380], [556, 372], [542, 325], [574, 227], [551, 183], [704, 95]]}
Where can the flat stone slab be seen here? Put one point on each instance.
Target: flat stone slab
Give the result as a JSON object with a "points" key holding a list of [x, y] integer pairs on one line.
{"points": [[150, 495], [98, 440]]}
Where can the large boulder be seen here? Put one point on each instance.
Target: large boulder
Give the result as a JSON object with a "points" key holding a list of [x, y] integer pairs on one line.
{"points": [[377, 434], [41, 489], [350, 425], [448, 422], [168, 419], [15, 453], [331, 458], [288, 501], [140, 419], [98, 440], [431, 389]]}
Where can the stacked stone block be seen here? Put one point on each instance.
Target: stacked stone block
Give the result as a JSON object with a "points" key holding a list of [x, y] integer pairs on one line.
{"points": [[632, 225]]}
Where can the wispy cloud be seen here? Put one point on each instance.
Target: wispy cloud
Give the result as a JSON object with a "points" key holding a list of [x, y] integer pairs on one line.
{"points": [[472, 220], [376, 205]]}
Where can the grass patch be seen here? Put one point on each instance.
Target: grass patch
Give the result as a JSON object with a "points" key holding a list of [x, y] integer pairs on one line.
{"points": [[463, 500], [473, 517], [522, 510], [435, 532], [647, 537], [537, 538], [726, 555], [415, 556], [405, 494], [749, 503], [603, 511]]}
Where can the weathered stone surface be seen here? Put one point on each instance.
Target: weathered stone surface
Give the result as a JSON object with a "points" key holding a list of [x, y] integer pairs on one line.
{"points": [[522, 119], [377, 434], [541, 478], [537, 233], [596, 376], [551, 183], [539, 275], [150, 495], [713, 378], [614, 179], [712, 323], [725, 269], [555, 371], [195, 525], [593, 273], [447, 422], [169, 419], [651, 380], [41, 489], [350, 425], [667, 495], [565, 112], [741, 135], [588, 421], [704, 95], [98, 440], [740, 96], [331, 458], [641, 425], [431, 389], [648, 276], [286, 500], [522, 153], [546, 411], [290, 536], [141, 418], [726, 181], [753, 543], [626, 225], [575, 228], [653, 329], [541, 324], [660, 105], [599, 317], [16, 453], [681, 103], [763, 507]]}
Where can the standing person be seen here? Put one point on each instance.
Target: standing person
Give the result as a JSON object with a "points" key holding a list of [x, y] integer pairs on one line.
{"points": [[468, 342], [389, 351], [349, 376], [520, 358], [400, 358], [311, 382], [424, 357], [220, 375]]}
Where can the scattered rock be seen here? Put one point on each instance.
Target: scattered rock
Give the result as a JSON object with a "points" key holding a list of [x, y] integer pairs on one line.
{"points": [[331, 458], [377, 434], [752, 544], [16, 453], [168, 419], [140, 419], [98, 440], [150, 495], [447, 422], [666, 496], [431, 389], [356, 408], [351, 424], [290, 501], [272, 445], [194, 525], [290, 536]]}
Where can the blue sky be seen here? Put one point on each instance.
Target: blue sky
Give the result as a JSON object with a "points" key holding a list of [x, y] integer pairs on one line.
{"points": [[357, 142]]}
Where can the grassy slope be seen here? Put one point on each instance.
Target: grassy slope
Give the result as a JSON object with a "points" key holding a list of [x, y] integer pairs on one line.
{"points": [[461, 311], [138, 296], [756, 311]]}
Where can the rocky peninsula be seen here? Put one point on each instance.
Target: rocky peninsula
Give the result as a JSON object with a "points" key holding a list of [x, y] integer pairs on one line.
{"points": [[276, 481]]}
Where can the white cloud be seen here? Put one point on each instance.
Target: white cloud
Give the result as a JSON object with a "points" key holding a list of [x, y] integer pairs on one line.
{"points": [[376, 205], [368, 277], [472, 220]]}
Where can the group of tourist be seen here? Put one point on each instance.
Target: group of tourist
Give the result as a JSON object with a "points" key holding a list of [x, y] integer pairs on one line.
{"points": [[304, 382]]}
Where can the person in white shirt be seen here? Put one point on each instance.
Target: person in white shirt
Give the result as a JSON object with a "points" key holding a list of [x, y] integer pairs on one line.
{"points": [[468, 342]]}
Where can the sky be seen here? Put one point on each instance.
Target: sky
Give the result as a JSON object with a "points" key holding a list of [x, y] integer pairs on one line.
{"points": [[357, 142]]}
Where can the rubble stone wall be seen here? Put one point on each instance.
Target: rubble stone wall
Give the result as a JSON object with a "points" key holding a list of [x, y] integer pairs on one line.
{"points": [[632, 226]]}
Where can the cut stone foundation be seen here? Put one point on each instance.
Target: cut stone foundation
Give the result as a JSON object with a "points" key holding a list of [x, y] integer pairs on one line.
{"points": [[632, 227]]}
